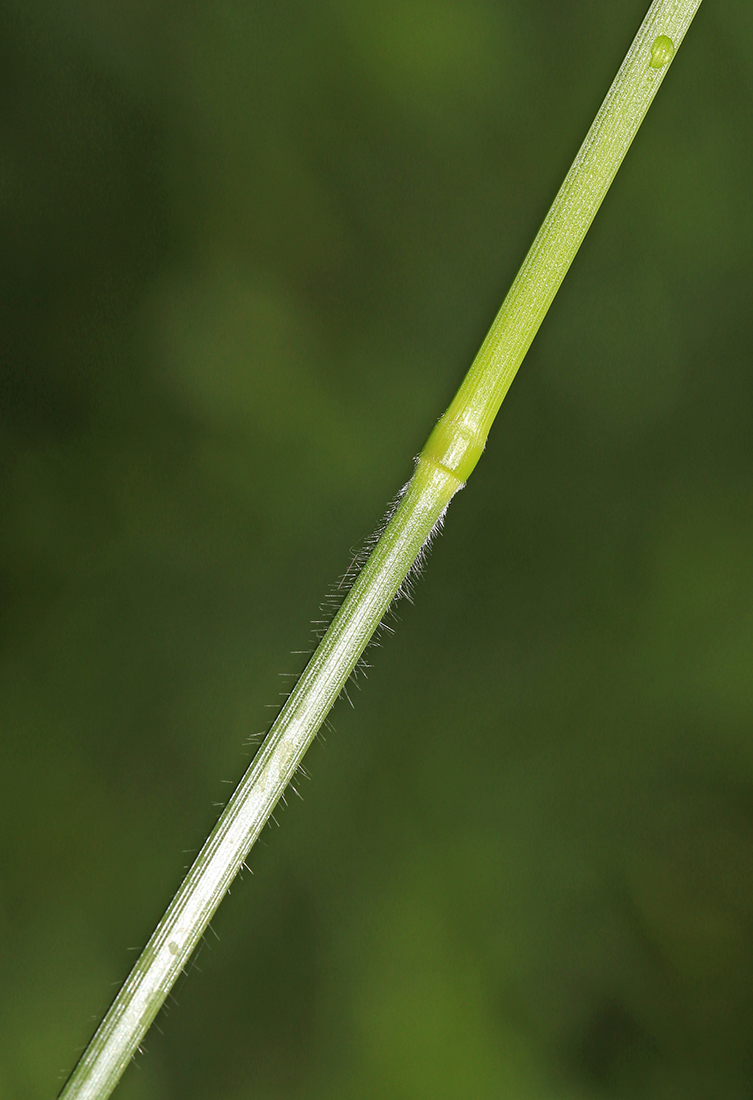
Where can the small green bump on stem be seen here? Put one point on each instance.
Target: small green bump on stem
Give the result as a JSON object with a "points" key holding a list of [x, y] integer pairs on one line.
{"points": [[455, 447], [662, 51]]}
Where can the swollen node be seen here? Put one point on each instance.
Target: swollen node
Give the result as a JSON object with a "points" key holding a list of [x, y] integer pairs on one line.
{"points": [[454, 447]]}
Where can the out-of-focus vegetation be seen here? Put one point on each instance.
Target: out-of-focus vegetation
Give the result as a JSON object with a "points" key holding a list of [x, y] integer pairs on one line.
{"points": [[248, 250]]}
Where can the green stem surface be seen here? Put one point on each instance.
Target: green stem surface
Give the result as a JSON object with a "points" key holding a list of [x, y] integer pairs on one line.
{"points": [[447, 459]]}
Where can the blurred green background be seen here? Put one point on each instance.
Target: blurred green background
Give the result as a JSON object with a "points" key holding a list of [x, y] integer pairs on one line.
{"points": [[248, 251]]}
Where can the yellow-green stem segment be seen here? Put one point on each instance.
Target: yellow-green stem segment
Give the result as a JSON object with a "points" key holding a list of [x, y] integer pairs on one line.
{"points": [[448, 458], [459, 437]]}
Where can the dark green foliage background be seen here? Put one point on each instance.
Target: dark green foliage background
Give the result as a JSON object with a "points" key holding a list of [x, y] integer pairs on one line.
{"points": [[248, 251]]}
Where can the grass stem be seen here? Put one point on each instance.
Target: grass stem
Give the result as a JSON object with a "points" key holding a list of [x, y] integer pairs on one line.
{"points": [[449, 456]]}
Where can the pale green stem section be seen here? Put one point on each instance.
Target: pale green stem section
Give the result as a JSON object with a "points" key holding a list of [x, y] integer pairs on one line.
{"points": [[462, 431], [450, 454]]}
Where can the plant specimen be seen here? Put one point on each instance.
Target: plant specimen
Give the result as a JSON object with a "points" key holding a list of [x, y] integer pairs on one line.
{"points": [[442, 469]]}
